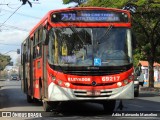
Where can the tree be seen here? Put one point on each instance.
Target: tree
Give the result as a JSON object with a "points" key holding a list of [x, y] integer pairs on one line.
{"points": [[146, 24], [4, 61], [147, 19]]}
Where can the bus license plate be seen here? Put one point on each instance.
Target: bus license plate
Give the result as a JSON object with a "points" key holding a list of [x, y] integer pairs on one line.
{"points": [[93, 93]]}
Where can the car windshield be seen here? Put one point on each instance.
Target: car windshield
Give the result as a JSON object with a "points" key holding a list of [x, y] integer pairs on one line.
{"points": [[14, 75], [108, 46]]}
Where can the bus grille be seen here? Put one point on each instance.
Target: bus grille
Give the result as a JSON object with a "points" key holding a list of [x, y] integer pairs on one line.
{"points": [[98, 84], [84, 94]]}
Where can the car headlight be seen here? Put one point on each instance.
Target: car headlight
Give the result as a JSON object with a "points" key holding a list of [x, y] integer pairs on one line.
{"points": [[136, 82]]}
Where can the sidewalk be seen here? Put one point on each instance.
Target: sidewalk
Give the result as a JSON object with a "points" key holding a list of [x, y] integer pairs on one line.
{"points": [[2, 83], [155, 89]]}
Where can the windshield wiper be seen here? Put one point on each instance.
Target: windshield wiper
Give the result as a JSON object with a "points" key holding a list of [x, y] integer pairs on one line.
{"points": [[106, 33]]}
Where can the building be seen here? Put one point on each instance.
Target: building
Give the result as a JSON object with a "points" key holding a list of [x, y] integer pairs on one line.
{"points": [[144, 66]]}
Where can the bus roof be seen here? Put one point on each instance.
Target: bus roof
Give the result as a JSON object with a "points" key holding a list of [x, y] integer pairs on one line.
{"points": [[87, 8]]}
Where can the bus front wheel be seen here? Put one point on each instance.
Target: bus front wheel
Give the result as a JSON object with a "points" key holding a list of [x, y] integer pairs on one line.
{"points": [[50, 106], [109, 106], [46, 106]]}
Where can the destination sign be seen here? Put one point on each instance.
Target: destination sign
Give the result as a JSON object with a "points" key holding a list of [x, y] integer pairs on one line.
{"points": [[90, 16]]}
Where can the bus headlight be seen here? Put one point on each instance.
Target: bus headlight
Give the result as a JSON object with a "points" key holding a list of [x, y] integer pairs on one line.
{"points": [[59, 82], [67, 84], [119, 84], [53, 78]]}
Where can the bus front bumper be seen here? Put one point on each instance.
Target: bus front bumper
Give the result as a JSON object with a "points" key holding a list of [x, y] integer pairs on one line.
{"points": [[57, 93]]}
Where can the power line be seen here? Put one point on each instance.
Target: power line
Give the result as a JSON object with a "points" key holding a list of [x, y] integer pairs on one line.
{"points": [[8, 5], [22, 14], [10, 16], [9, 44], [4, 4], [17, 28]]}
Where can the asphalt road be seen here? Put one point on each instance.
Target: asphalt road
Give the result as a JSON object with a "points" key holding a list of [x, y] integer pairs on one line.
{"points": [[12, 99]]}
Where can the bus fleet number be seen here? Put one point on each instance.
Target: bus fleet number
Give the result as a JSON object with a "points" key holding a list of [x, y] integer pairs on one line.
{"points": [[111, 78]]}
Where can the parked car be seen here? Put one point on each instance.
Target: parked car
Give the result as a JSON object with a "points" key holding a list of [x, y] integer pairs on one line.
{"points": [[137, 72], [136, 86], [14, 77]]}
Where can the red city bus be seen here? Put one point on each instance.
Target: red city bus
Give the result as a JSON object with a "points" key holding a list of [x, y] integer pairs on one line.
{"points": [[79, 54]]}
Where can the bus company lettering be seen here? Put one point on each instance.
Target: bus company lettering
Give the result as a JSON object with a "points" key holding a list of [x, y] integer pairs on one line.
{"points": [[78, 79], [110, 78]]}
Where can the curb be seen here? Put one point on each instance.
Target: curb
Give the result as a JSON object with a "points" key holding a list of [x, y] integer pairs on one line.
{"points": [[156, 89], [2, 79]]}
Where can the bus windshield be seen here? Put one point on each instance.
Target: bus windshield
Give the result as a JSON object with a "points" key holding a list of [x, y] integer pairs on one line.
{"points": [[107, 46]]}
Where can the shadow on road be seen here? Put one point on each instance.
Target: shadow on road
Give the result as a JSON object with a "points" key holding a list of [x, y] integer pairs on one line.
{"points": [[80, 109], [14, 97]]}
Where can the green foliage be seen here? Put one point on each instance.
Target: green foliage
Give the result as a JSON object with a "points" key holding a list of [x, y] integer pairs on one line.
{"points": [[146, 24], [4, 61], [66, 1], [106, 3], [79, 2]]}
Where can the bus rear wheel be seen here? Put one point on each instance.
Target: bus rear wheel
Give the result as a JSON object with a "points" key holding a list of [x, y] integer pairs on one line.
{"points": [[109, 106]]}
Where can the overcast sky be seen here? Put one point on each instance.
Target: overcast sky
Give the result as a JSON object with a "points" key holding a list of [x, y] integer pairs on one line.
{"points": [[17, 27]]}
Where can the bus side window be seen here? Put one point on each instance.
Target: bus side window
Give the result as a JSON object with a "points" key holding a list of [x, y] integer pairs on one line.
{"points": [[39, 50], [40, 37], [37, 47], [34, 48]]}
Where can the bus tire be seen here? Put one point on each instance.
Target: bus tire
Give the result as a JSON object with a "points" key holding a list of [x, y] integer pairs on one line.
{"points": [[29, 99], [136, 94], [55, 105], [46, 106], [109, 106]]}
